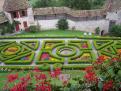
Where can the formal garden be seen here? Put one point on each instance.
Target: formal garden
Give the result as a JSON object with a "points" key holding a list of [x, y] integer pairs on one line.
{"points": [[58, 64]]}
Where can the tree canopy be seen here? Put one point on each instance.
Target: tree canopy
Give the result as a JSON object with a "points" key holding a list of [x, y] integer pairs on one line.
{"points": [[74, 4]]}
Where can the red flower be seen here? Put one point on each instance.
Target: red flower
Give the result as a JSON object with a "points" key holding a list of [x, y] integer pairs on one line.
{"points": [[43, 86], [114, 59], [26, 78], [12, 77], [58, 71], [100, 60], [89, 69], [91, 77], [36, 69], [108, 85], [19, 87], [40, 77]]}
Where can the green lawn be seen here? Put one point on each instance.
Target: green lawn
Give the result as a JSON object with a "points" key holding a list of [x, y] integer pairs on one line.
{"points": [[53, 33]]}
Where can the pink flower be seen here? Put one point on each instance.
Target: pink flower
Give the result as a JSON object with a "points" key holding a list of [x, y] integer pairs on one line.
{"points": [[52, 74], [45, 56]]}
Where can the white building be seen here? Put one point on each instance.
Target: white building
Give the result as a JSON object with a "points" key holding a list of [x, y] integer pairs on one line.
{"points": [[47, 18]]}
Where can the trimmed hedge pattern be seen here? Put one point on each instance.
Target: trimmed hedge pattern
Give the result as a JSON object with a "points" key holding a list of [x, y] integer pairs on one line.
{"points": [[22, 55], [85, 55]]}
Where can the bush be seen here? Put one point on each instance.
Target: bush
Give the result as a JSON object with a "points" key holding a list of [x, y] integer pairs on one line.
{"points": [[115, 30], [97, 31], [34, 29], [2, 32], [62, 24]]}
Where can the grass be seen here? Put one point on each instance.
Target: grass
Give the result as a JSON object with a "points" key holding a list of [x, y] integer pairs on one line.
{"points": [[53, 33]]}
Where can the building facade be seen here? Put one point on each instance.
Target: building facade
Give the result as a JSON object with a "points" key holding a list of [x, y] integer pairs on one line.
{"points": [[47, 18]]}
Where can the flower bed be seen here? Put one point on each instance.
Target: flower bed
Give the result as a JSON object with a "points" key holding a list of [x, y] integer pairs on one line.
{"points": [[15, 53]]}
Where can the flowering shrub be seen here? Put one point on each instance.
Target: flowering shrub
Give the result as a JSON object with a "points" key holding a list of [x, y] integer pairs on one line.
{"points": [[27, 82], [104, 75]]}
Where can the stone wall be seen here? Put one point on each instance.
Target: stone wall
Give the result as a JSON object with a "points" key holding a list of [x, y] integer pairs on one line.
{"points": [[88, 26]]}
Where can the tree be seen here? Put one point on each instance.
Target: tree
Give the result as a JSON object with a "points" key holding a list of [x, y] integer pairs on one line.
{"points": [[42, 3], [115, 30], [78, 4], [62, 24]]}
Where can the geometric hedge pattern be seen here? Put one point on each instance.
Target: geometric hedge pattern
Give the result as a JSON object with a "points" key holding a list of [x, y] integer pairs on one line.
{"points": [[17, 53], [56, 51]]}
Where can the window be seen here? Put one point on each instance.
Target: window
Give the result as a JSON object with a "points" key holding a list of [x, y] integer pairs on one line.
{"points": [[23, 13], [15, 14]]}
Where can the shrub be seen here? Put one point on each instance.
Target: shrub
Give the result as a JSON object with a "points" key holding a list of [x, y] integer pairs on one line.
{"points": [[97, 31], [62, 24], [115, 30], [34, 29]]}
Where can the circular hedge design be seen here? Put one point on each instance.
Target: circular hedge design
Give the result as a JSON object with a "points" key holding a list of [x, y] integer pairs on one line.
{"points": [[10, 50], [66, 51]]}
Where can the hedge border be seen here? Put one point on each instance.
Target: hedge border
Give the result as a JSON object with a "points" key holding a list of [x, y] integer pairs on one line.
{"points": [[33, 48], [14, 56], [70, 55], [18, 62], [78, 37], [101, 47], [2, 52], [74, 42], [93, 58]]}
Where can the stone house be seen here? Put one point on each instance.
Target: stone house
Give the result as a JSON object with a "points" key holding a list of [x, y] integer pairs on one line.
{"points": [[47, 18]]}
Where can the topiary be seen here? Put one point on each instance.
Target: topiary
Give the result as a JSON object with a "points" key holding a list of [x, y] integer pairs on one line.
{"points": [[62, 24]]}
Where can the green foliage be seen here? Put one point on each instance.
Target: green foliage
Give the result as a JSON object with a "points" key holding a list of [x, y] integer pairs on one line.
{"points": [[97, 31], [42, 3], [78, 4], [74, 4], [33, 29], [62, 24], [115, 30], [7, 28]]}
